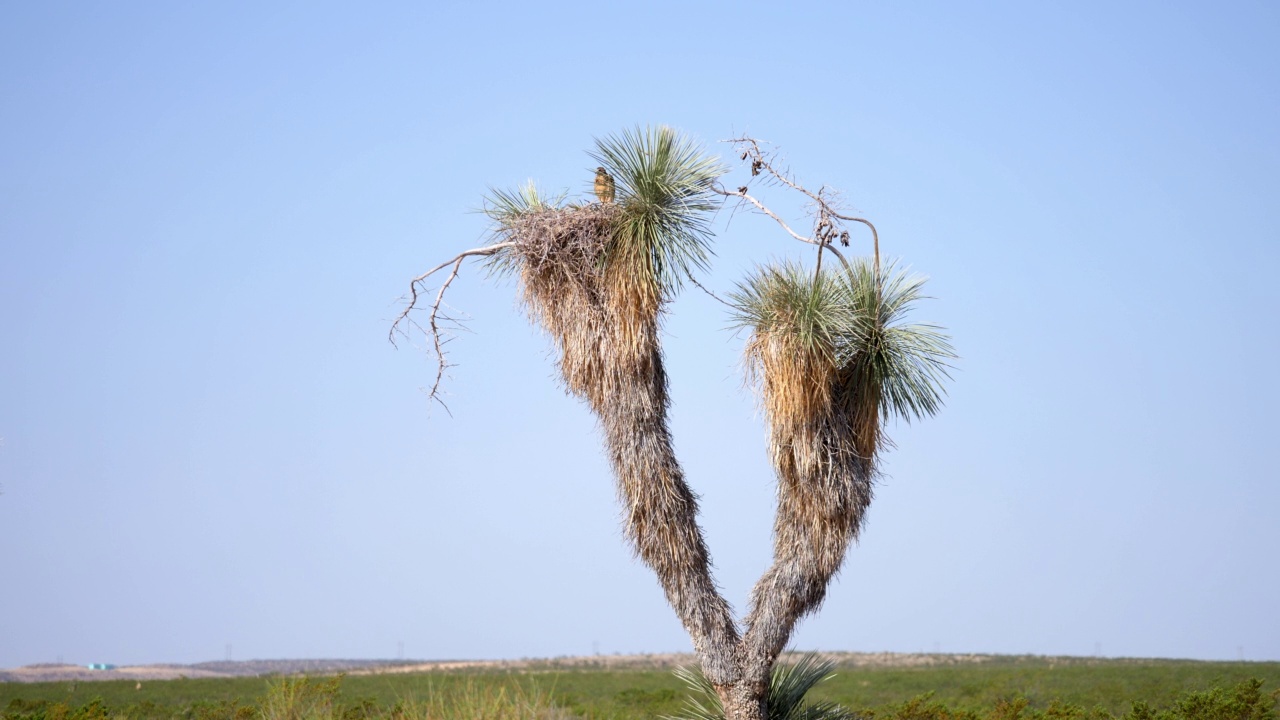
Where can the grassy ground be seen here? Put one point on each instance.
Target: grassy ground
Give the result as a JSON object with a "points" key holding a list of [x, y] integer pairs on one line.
{"points": [[1112, 686]]}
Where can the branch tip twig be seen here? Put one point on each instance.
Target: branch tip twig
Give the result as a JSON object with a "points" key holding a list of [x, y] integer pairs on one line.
{"points": [[434, 319], [828, 226]]}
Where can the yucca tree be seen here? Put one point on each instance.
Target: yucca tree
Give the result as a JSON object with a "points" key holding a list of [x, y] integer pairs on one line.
{"points": [[828, 352], [830, 357]]}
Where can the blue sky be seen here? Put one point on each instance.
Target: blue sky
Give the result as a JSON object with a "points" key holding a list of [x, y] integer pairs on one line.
{"points": [[207, 215]]}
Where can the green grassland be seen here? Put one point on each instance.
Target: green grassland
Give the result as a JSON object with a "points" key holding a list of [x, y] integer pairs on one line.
{"points": [[1110, 684], [1011, 688]]}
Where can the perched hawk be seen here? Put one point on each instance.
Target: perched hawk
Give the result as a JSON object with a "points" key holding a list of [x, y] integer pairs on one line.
{"points": [[604, 185]]}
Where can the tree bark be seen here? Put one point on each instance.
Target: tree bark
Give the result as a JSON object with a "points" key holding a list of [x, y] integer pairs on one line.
{"points": [[745, 700], [811, 535], [661, 515]]}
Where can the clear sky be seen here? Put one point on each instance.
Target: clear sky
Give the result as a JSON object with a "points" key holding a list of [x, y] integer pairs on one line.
{"points": [[208, 212]]}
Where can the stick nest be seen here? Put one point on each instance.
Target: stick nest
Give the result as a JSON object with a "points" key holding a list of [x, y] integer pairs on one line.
{"points": [[579, 283]]}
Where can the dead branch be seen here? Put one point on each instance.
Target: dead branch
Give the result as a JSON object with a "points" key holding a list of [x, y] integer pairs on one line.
{"points": [[741, 192], [416, 287], [703, 288], [828, 221]]}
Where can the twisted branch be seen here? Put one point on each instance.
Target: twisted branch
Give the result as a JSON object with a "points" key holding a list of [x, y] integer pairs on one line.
{"points": [[742, 193], [416, 287], [827, 221]]}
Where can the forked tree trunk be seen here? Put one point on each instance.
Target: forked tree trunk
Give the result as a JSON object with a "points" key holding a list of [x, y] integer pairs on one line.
{"points": [[596, 279], [812, 533], [608, 335]]}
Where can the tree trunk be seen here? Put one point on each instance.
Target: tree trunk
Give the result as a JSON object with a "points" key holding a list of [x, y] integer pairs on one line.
{"points": [[661, 514], [615, 364], [812, 533], [744, 700]]}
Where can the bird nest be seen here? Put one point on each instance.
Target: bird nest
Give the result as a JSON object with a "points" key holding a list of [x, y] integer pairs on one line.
{"points": [[577, 283], [560, 250]]}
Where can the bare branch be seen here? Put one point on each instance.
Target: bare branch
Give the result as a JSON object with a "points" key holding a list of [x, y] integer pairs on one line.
{"points": [[875, 236], [435, 331], [433, 321], [714, 296], [827, 227], [742, 193], [414, 283]]}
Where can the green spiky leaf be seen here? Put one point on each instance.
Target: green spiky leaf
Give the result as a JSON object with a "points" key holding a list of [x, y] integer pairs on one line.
{"points": [[857, 314], [664, 185], [788, 686]]}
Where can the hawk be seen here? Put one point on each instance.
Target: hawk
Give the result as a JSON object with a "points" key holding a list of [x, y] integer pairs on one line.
{"points": [[604, 185]]}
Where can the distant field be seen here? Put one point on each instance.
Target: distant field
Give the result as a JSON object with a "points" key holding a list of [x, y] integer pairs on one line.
{"points": [[1110, 684], [588, 689]]}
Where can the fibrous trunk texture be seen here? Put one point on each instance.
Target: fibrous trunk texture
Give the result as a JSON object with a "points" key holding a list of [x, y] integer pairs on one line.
{"points": [[661, 516], [604, 319], [823, 438], [745, 700], [819, 512]]}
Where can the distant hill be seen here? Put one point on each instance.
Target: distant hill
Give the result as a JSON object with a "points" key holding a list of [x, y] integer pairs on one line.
{"points": [[52, 672], [46, 672]]}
